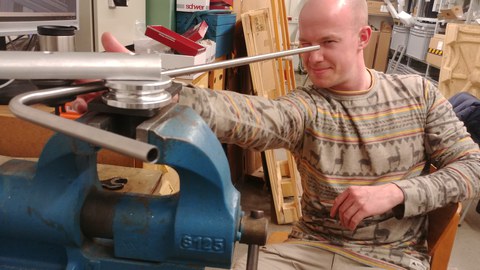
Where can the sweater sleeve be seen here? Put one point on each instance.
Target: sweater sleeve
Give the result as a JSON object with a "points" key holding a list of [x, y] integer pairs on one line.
{"points": [[452, 151], [250, 121]]}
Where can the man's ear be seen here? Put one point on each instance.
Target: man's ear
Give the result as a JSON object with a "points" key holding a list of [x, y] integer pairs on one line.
{"points": [[364, 36]]}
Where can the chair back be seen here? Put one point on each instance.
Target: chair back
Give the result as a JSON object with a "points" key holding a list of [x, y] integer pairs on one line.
{"points": [[442, 227]]}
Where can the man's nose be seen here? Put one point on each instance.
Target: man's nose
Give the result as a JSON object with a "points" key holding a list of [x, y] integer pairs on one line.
{"points": [[316, 56]]}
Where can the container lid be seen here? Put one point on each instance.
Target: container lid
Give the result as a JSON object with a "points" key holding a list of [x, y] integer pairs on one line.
{"points": [[56, 30]]}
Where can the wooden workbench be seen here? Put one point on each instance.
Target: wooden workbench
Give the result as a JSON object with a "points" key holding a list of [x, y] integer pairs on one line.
{"points": [[154, 180]]}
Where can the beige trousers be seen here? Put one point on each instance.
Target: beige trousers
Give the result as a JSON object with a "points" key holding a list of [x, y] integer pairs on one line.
{"points": [[300, 257]]}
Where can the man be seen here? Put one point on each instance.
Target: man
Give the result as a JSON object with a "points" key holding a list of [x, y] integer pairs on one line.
{"points": [[361, 140]]}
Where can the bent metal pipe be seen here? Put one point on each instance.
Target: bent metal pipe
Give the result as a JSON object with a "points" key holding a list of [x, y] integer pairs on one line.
{"points": [[130, 147]]}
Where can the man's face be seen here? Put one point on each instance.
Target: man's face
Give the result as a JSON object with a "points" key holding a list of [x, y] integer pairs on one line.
{"points": [[334, 64]]}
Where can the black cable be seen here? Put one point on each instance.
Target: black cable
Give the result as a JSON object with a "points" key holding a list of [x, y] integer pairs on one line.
{"points": [[17, 38]]}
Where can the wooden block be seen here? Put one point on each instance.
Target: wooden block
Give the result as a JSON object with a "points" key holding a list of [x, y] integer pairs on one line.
{"points": [[201, 81], [216, 79], [288, 187], [170, 182]]}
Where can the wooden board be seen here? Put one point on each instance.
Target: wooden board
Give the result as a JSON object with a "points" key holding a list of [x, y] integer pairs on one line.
{"points": [[460, 71], [258, 36], [283, 178], [283, 42]]}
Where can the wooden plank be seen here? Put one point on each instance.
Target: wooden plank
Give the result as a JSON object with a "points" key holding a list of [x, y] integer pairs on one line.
{"points": [[278, 37], [259, 39], [256, 27], [288, 62], [216, 78]]}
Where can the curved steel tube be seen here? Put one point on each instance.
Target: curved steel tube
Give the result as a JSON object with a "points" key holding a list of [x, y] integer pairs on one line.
{"points": [[130, 147]]}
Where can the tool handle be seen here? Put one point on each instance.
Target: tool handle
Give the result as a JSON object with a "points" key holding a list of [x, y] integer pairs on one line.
{"points": [[252, 257]]}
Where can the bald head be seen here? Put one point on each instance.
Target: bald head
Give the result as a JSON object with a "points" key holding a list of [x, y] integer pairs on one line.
{"points": [[354, 10]]}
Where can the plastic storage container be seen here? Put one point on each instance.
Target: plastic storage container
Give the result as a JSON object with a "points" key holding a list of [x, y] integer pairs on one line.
{"points": [[399, 36], [418, 40]]}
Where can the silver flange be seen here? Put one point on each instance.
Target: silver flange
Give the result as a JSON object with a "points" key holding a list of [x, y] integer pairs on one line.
{"points": [[140, 95]]}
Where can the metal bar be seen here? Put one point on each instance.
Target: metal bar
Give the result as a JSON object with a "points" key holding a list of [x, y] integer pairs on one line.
{"points": [[79, 65], [130, 147], [236, 62], [252, 257], [110, 66]]}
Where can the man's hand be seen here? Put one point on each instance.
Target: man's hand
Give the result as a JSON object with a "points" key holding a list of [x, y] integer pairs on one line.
{"points": [[111, 44], [359, 202]]}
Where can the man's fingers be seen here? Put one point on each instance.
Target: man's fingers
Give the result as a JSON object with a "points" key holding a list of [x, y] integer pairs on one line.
{"points": [[355, 220], [347, 213], [111, 44], [337, 203]]}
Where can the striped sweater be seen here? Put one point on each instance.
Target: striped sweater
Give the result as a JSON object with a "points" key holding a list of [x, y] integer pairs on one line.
{"points": [[372, 137]]}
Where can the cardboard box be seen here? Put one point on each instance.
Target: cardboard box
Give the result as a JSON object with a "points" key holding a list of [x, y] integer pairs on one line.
{"points": [[173, 61], [196, 32], [211, 48], [383, 47], [220, 28], [224, 2], [369, 51], [435, 50], [376, 52], [193, 5], [173, 40], [377, 8]]}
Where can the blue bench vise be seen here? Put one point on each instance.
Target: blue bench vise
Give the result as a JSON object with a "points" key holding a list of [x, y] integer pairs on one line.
{"points": [[54, 213]]}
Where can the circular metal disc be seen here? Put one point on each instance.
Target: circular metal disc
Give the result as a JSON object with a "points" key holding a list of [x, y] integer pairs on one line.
{"points": [[138, 94]]}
